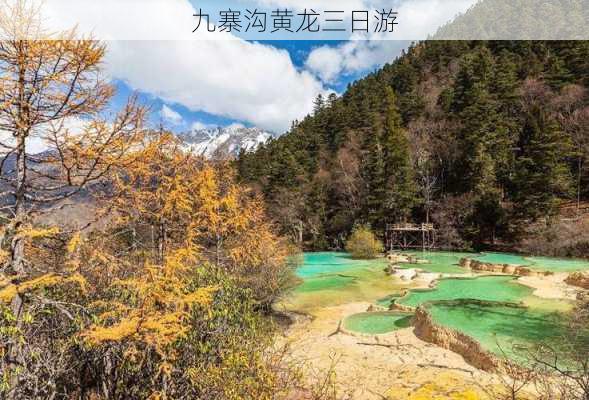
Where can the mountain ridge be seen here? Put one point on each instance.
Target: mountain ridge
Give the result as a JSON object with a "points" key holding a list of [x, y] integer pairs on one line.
{"points": [[224, 142]]}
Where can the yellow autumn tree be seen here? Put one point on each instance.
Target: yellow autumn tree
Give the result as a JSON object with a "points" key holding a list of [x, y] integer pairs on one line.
{"points": [[153, 259], [233, 229], [177, 198], [51, 92], [185, 249]]}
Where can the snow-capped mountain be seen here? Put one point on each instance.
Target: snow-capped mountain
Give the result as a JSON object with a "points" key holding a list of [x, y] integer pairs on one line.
{"points": [[224, 142]]}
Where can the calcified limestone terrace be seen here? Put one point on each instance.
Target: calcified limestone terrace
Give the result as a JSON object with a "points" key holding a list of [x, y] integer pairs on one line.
{"points": [[369, 367], [523, 265], [472, 351], [457, 312], [479, 266]]}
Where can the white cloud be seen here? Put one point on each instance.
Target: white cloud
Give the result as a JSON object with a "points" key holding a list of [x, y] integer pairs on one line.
{"points": [[329, 62], [230, 77], [417, 19], [38, 140], [318, 5], [421, 18], [236, 79], [122, 19], [233, 78], [169, 115]]}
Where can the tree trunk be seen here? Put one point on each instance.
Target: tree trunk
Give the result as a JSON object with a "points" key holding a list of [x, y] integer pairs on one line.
{"points": [[17, 245], [579, 168], [161, 243], [21, 133], [17, 248], [218, 240]]}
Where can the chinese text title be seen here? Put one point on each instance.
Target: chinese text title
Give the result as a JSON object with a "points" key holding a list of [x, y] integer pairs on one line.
{"points": [[285, 20]]}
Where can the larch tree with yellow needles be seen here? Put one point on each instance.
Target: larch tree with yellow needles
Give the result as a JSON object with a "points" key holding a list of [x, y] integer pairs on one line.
{"points": [[176, 278], [173, 199], [48, 85]]}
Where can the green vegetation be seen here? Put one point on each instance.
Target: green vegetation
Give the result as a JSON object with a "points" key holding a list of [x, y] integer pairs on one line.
{"points": [[481, 138], [363, 244]]}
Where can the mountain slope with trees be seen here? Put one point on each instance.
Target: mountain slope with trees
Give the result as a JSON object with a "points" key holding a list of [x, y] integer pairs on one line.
{"points": [[481, 138]]}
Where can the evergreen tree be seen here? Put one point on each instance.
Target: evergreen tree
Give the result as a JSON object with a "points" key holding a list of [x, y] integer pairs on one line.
{"points": [[486, 144], [318, 104], [400, 189], [373, 174], [557, 74], [541, 175]]}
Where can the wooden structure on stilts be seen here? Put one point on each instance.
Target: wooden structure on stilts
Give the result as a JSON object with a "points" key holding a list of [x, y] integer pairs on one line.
{"points": [[410, 236]]}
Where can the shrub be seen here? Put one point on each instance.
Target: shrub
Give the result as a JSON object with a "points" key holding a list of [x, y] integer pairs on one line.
{"points": [[558, 239], [362, 243]]}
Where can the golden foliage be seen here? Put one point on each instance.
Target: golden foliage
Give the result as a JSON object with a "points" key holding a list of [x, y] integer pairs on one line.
{"points": [[9, 291], [362, 243], [74, 243], [191, 204], [183, 213], [31, 232], [161, 302]]}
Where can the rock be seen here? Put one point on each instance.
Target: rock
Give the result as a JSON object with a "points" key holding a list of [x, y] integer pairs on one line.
{"points": [[465, 262], [578, 279], [406, 274], [583, 296], [471, 350], [430, 277], [486, 267], [396, 258], [509, 269], [524, 271], [400, 307]]}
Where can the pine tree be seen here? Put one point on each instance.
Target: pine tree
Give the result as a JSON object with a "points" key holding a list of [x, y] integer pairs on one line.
{"points": [[541, 175], [318, 104], [400, 183], [373, 174], [480, 111], [557, 74], [486, 139]]}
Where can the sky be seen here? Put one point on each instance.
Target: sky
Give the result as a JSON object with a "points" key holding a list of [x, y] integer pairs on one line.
{"points": [[224, 78], [305, 57]]}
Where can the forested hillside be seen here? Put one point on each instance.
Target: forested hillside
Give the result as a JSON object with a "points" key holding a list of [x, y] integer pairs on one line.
{"points": [[484, 139]]}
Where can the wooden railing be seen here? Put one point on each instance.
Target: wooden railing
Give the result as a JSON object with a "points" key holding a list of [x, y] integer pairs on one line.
{"points": [[410, 227]]}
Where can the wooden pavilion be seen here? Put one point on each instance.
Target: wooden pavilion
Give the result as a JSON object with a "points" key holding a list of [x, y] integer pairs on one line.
{"points": [[410, 236]]}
